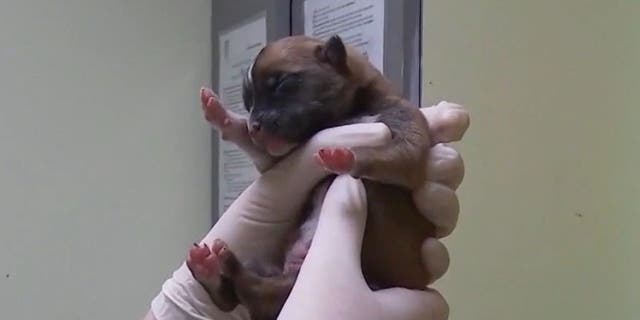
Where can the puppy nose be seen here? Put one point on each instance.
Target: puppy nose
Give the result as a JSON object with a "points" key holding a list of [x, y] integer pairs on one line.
{"points": [[254, 127]]}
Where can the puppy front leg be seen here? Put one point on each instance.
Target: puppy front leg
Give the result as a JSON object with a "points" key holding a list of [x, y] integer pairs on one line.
{"points": [[233, 128], [400, 162]]}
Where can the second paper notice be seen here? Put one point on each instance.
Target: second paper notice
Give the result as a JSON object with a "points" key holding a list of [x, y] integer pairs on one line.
{"points": [[359, 23]]}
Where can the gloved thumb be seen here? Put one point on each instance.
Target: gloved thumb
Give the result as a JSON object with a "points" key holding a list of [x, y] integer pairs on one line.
{"points": [[337, 243], [400, 303]]}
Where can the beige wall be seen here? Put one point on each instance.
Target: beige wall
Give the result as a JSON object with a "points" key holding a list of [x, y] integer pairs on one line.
{"points": [[552, 192], [104, 162], [104, 156]]}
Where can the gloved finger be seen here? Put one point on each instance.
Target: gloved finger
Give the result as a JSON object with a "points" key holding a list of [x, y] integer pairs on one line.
{"points": [[445, 166], [439, 204], [267, 209], [399, 303], [447, 122], [336, 247], [435, 258], [352, 135], [278, 194]]}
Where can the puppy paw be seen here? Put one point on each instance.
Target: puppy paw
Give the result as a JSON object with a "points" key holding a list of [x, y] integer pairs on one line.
{"points": [[204, 262], [230, 266], [229, 124], [213, 110], [208, 264], [336, 160]]}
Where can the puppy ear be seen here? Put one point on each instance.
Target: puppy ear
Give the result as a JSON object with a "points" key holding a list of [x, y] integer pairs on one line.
{"points": [[333, 52]]}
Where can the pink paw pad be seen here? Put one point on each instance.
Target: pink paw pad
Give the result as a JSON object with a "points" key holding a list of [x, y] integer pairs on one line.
{"points": [[203, 261], [213, 110], [336, 160]]}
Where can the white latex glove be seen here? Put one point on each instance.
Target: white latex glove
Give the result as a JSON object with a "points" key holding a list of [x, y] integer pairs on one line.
{"points": [[330, 284], [255, 225]]}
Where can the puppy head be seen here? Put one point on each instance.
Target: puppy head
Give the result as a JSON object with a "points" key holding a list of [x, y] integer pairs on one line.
{"points": [[296, 87]]}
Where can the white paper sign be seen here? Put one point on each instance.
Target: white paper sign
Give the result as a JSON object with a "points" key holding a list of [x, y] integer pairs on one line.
{"points": [[359, 23], [238, 48]]}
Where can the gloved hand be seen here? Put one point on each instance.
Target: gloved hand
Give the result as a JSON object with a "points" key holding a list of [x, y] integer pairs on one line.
{"points": [[330, 284], [255, 225]]}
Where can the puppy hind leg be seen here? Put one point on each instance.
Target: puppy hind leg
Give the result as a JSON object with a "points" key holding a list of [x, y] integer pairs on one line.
{"points": [[264, 297], [204, 264]]}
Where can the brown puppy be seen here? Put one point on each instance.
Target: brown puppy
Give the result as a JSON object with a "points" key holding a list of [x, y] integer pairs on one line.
{"points": [[296, 87]]}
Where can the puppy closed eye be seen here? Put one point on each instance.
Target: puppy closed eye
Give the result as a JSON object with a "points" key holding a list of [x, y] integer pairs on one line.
{"points": [[288, 84]]}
